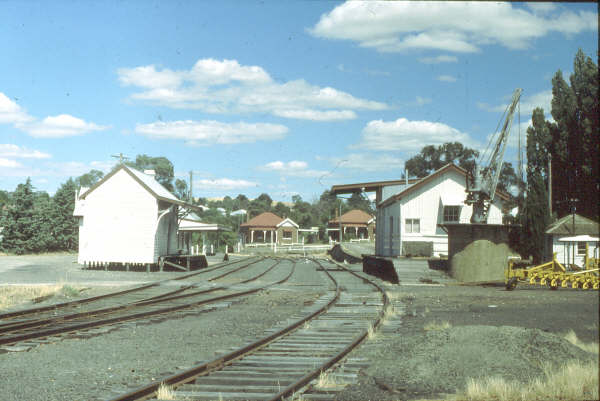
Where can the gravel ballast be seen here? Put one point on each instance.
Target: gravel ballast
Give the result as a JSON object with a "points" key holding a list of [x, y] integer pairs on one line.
{"points": [[103, 366]]}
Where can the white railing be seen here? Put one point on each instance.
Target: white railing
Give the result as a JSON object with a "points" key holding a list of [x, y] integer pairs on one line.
{"points": [[293, 247]]}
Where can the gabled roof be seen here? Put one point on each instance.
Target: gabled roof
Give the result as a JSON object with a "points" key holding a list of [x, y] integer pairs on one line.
{"points": [[146, 181], [354, 216], [423, 181], [564, 226], [266, 219], [288, 220]]}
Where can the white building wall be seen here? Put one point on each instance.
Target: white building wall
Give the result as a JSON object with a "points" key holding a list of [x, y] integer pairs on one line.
{"points": [[565, 250], [118, 223], [165, 239], [426, 204]]}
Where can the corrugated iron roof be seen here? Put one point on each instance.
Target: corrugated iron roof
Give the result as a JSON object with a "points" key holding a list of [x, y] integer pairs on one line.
{"points": [[147, 182], [565, 226]]}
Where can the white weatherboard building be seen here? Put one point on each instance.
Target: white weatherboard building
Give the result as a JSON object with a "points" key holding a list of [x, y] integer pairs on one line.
{"points": [[570, 237], [127, 217], [407, 222]]}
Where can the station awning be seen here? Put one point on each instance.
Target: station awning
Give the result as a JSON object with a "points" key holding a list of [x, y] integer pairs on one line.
{"points": [[188, 225], [579, 238]]}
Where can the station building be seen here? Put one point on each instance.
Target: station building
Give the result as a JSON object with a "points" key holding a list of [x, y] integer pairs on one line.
{"points": [[127, 217]]}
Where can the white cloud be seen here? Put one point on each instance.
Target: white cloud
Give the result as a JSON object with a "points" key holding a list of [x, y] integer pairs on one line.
{"points": [[439, 59], [458, 27], [11, 112], [446, 78], [62, 125], [223, 184], [227, 87], [15, 151], [294, 168], [369, 162], [8, 163], [316, 115], [200, 133], [541, 99], [408, 136], [542, 8]]}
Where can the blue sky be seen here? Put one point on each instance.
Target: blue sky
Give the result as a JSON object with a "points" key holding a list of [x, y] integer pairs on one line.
{"points": [[278, 97]]}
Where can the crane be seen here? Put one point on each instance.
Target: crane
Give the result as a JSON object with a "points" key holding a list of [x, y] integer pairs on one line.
{"points": [[484, 180]]}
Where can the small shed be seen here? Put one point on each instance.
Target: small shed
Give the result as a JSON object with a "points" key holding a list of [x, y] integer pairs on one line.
{"points": [[127, 217], [357, 222], [568, 238], [268, 228]]}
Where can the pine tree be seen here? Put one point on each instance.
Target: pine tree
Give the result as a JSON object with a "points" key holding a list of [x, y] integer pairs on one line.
{"points": [[18, 220], [576, 139], [66, 229], [535, 215]]}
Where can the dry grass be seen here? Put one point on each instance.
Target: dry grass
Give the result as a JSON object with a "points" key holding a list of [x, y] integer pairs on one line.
{"points": [[165, 392], [437, 326], [326, 381], [17, 294], [572, 381], [589, 347], [371, 333]]}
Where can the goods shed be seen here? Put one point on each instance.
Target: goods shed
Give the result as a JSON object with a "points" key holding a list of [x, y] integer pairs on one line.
{"points": [[127, 218]]}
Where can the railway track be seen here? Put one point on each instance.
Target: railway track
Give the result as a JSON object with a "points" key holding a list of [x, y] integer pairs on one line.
{"points": [[291, 358], [124, 296], [20, 334]]}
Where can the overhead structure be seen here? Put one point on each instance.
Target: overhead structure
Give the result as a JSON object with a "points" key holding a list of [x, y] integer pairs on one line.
{"points": [[482, 186]]}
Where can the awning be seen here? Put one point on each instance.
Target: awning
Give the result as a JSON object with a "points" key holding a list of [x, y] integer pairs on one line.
{"points": [[187, 225], [452, 199], [579, 238]]}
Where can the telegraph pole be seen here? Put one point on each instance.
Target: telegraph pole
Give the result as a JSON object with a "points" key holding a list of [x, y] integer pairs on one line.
{"points": [[550, 183], [191, 196], [121, 157]]}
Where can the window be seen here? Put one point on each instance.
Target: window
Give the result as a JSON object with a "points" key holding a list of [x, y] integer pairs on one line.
{"points": [[451, 214], [412, 225], [581, 248], [287, 235]]}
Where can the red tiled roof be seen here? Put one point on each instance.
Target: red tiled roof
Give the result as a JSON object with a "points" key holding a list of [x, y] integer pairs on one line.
{"points": [[354, 216], [266, 219]]}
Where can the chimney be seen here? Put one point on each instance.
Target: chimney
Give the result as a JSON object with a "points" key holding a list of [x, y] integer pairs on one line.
{"points": [[406, 176], [151, 173]]}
